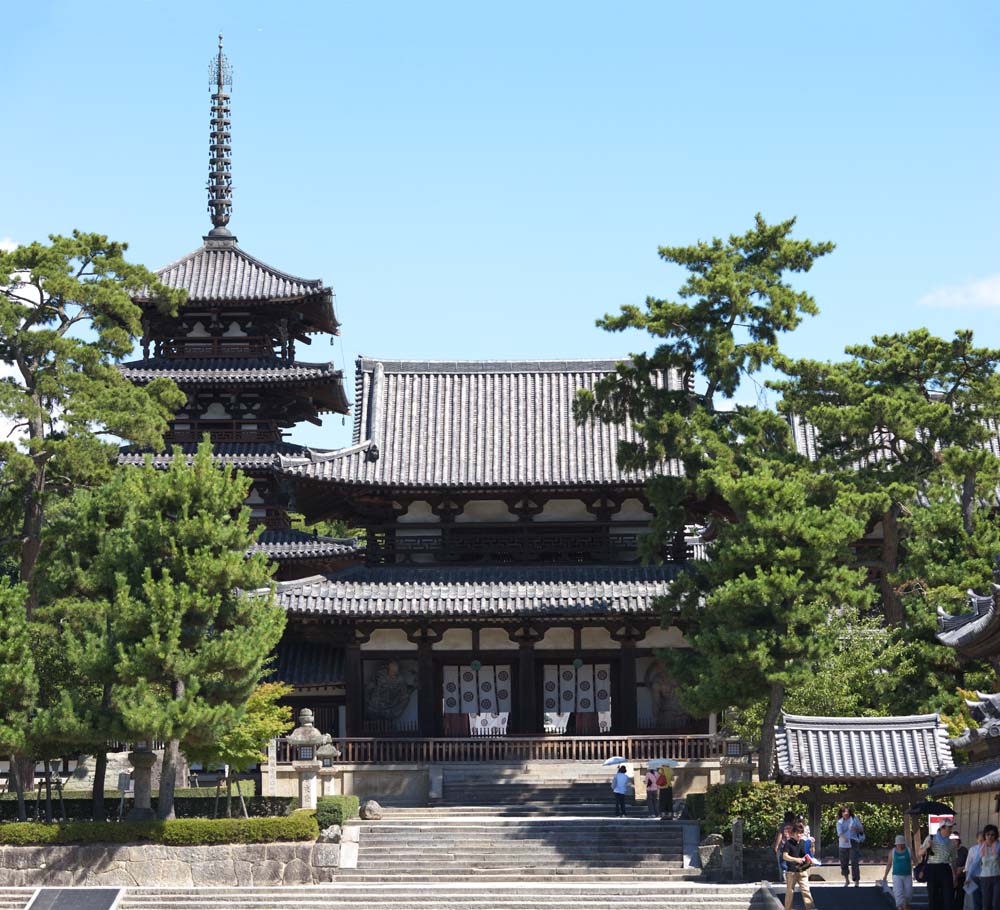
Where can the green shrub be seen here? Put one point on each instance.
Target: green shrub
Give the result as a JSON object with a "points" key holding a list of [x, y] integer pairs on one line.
{"points": [[335, 810], [762, 806], [180, 832], [200, 806], [695, 803]]}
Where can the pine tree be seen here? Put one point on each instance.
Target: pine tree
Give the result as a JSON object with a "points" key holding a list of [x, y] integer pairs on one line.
{"points": [[188, 619], [18, 682]]}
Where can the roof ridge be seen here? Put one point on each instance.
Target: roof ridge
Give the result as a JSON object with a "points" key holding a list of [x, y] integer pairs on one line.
{"points": [[546, 365]]}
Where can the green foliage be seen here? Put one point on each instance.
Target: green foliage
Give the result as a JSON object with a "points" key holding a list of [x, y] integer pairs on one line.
{"points": [[695, 803], [186, 832], [762, 806], [336, 528], [66, 317], [163, 610], [335, 810], [262, 720], [18, 680], [185, 806]]}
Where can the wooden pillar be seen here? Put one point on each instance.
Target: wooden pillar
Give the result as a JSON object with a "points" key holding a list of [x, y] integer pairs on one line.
{"points": [[528, 719], [354, 689], [816, 818], [626, 685], [427, 703]]}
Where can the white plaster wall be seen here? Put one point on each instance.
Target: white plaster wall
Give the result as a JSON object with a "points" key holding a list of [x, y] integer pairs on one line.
{"points": [[663, 638], [418, 512], [632, 510], [216, 411], [485, 510], [556, 639], [496, 640], [198, 330], [597, 638], [235, 331], [454, 640], [565, 510], [389, 640]]}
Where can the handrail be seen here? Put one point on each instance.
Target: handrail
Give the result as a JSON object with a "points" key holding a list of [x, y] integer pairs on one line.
{"points": [[366, 750]]}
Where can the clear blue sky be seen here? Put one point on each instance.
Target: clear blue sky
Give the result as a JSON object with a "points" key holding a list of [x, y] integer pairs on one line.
{"points": [[483, 181]]}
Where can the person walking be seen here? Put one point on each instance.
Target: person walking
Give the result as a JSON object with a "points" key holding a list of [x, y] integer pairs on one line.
{"points": [[652, 794], [972, 896], [850, 834], [900, 864], [942, 860], [665, 782], [619, 786], [794, 855], [989, 869]]}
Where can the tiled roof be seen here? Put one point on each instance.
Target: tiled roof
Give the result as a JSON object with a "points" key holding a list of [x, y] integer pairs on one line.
{"points": [[244, 455], [308, 663], [220, 271], [474, 425], [284, 545], [976, 633], [985, 709], [405, 592], [973, 778], [884, 749], [213, 371]]}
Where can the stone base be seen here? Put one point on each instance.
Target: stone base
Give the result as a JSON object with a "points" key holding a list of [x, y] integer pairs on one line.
{"points": [[230, 865]]}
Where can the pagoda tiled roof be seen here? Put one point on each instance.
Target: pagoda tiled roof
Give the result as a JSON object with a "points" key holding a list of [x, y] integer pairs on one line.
{"points": [[985, 710], [883, 749], [241, 455], [976, 633], [219, 370], [284, 545], [368, 592], [476, 425], [972, 778], [308, 663], [219, 271]]}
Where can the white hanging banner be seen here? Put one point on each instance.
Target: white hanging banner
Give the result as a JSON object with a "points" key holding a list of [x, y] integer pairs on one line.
{"points": [[567, 688], [451, 693], [602, 687], [585, 703], [503, 690], [469, 690], [551, 688], [487, 690]]}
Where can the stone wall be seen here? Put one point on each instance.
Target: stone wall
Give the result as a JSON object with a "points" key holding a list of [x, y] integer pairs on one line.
{"points": [[247, 865]]}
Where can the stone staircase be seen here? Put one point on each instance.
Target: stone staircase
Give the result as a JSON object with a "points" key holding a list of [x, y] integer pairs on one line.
{"points": [[439, 847], [15, 898], [652, 896]]}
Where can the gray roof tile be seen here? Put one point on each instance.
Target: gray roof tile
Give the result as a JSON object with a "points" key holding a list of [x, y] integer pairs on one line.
{"points": [[244, 455], [473, 425], [214, 371], [220, 271], [976, 633], [284, 545], [972, 778], [410, 592], [883, 749], [308, 663]]}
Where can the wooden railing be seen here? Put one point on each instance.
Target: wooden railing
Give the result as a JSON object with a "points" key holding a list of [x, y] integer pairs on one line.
{"points": [[519, 748], [229, 346]]}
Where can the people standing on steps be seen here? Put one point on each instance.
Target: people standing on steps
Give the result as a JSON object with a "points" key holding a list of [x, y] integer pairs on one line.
{"points": [[665, 782], [850, 836], [900, 864], [989, 868], [783, 833], [942, 861], [794, 855], [619, 785], [652, 794]]}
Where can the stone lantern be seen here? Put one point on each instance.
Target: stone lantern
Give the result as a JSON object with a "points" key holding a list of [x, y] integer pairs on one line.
{"points": [[142, 760], [305, 740], [327, 754]]}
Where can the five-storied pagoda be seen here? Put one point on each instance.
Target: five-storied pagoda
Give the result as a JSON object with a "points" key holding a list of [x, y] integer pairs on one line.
{"points": [[498, 608]]}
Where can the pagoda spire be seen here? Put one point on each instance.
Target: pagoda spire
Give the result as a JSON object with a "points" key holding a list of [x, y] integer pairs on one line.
{"points": [[220, 175]]}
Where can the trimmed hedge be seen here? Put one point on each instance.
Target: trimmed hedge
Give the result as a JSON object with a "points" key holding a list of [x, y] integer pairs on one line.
{"points": [[200, 806], [762, 806], [695, 803], [335, 810], [183, 832]]}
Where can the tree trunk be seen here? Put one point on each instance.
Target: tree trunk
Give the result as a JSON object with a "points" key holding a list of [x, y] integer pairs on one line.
{"points": [[969, 503], [48, 791], [243, 804], [765, 766], [168, 774], [34, 510], [229, 795], [100, 772], [16, 775], [892, 605]]}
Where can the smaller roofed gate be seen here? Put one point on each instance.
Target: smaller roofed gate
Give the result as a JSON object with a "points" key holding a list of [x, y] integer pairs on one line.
{"points": [[861, 753]]}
